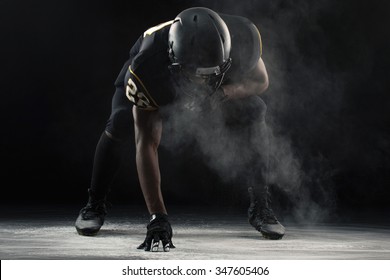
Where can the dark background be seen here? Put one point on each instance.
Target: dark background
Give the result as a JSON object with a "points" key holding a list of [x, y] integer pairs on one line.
{"points": [[328, 102]]}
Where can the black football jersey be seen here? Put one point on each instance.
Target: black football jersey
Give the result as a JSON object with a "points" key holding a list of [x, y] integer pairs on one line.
{"points": [[146, 76]]}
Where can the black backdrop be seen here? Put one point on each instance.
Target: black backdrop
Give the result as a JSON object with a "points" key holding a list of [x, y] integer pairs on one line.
{"points": [[328, 101]]}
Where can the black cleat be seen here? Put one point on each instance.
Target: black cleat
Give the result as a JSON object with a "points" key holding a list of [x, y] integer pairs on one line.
{"points": [[262, 218], [91, 217]]}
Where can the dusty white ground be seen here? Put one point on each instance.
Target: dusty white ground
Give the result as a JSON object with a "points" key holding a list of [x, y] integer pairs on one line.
{"points": [[50, 234]]}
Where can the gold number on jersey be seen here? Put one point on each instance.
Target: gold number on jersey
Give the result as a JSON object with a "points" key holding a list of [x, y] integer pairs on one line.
{"points": [[135, 96], [131, 90]]}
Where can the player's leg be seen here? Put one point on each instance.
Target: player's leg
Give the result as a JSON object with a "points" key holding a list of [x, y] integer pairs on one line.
{"points": [[106, 163], [245, 120]]}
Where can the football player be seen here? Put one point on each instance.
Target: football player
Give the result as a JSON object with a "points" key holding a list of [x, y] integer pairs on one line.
{"points": [[211, 65]]}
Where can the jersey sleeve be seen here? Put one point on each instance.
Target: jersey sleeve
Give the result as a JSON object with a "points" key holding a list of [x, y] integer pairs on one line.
{"points": [[145, 76], [135, 88], [246, 45], [257, 43], [137, 92], [120, 80], [250, 47]]}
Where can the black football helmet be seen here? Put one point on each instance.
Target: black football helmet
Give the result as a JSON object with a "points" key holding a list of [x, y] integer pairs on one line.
{"points": [[199, 51]]}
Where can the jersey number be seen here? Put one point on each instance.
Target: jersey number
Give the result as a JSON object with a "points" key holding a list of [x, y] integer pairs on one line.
{"points": [[135, 96]]}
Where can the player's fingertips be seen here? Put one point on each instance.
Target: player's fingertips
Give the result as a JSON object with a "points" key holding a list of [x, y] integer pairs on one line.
{"points": [[155, 246]]}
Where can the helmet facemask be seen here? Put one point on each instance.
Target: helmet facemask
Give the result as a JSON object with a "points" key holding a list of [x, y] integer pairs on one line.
{"points": [[199, 82]]}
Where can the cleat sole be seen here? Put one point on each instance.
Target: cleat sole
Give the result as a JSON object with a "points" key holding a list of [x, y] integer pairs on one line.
{"points": [[87, 232]]}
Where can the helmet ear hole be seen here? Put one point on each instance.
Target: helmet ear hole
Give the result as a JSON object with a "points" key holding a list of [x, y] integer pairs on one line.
{"points": [[170, 53]]}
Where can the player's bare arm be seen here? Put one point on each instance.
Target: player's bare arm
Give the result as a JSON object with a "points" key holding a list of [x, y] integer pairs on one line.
{"points": [[148, 129], [256, 82]]}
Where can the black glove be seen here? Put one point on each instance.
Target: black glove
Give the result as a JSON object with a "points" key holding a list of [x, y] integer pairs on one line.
{"points": [[159, 229]]}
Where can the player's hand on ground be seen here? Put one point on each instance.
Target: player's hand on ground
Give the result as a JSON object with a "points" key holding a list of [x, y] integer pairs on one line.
{"points": [[159, 232]]}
